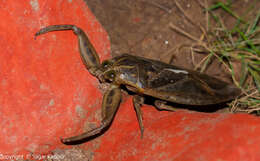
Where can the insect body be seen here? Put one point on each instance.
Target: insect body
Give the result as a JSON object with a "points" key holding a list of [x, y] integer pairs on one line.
{"points": [[144, 77]]}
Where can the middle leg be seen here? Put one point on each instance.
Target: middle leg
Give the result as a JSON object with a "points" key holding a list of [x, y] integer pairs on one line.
{"points": [[138, 101]]}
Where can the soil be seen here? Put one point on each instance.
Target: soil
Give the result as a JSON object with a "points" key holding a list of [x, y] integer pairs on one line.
{"points": [[141, 28]]}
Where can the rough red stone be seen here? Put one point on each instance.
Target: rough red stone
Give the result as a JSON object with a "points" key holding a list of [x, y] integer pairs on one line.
{"points": [[182, 135], [46, 92]]}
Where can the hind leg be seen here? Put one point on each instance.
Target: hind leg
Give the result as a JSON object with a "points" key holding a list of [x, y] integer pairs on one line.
{"points": [[161, 105]]}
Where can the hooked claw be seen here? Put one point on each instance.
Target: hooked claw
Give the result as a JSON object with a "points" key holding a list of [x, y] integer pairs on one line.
{"points": [[110, 105], [88, 53]]}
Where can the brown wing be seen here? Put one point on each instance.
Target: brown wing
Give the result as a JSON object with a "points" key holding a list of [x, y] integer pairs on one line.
{"points": [[192, 89], [174, 84]]}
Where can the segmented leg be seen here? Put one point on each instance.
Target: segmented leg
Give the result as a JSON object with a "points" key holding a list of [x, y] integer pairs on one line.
{"points": [[88, 53], [138, 102], [110, 105], [162, 106]]}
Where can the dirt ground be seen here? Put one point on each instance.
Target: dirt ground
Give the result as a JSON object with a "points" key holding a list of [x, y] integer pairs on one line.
{"points": [[142, 28]]}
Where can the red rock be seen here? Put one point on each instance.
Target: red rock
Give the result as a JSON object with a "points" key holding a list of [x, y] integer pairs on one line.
{"points": [[182, 135], [46, 92]]}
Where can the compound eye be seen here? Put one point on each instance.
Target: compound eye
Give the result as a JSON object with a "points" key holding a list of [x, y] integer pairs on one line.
{"points": [[110, 75], [106, 64]]}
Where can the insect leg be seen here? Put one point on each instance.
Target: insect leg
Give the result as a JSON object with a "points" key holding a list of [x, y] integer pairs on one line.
{"points": [[110, 105], [161, 105], [138, 102], [88, 53]]}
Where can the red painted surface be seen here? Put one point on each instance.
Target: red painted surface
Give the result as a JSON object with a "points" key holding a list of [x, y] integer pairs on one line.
{"points": [[181, 136], [46, 93]]}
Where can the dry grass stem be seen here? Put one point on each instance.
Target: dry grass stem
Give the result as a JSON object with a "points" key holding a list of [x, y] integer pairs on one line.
{"points": [[189, 17], [228, 46], [159, 6], [183, 32]]}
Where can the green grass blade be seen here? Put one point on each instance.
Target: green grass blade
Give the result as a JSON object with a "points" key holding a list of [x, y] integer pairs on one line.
{"points": [[254, 25], [226, 8], [244, 72], [249, 42], [256, 77]]}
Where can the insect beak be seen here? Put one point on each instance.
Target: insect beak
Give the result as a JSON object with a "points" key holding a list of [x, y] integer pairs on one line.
{"points": [[101, 78]]}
